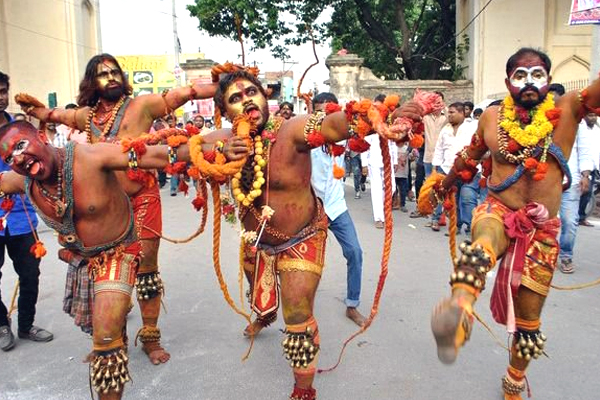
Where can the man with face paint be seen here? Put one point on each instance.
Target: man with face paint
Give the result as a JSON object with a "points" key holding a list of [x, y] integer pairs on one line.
{"points": [[292, 245], [17, 236], [76, 192], [530, 140], [108, 114]]}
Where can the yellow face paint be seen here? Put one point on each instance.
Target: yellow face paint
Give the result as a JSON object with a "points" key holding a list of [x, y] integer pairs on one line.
{"points": [[107, 74], [243, 96]]}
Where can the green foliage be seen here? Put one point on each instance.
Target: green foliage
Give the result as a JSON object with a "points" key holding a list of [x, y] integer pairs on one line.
{"points": [[399, 39]]}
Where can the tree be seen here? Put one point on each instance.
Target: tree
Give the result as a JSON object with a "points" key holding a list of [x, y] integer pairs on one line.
{"points": [[401, 39]]}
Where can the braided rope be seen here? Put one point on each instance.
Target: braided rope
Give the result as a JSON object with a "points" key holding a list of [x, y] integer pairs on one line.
{"points": [[387, 248], [453, 228], [201, 227], [216, 193]]}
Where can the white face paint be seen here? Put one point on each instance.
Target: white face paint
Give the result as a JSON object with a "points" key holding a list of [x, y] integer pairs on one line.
{"points": [[536, 76]]}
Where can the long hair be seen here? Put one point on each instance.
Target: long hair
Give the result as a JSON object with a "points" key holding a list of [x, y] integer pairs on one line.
{"points": [[88, 90], [227, 80]]}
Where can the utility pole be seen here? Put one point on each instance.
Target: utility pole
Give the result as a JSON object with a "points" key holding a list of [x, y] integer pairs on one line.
{"points": [[595, 58], [176, 47]]}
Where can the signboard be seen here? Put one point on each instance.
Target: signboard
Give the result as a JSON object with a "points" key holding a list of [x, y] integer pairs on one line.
{"points": [[585, 12]]}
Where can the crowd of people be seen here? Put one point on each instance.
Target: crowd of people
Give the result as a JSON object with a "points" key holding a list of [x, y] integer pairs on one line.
{"points": [[540, 145]]}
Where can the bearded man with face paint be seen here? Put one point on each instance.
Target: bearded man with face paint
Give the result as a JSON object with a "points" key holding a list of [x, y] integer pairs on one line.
{"points": [[292, 245], [108, 114], [77, 193], [530, 142]]}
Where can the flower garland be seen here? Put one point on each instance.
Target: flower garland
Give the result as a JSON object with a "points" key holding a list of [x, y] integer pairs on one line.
{"points": [[261, 149], [516, 144], [534, 131]]}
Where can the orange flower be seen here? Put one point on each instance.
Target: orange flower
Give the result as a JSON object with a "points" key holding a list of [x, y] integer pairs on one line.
{"points": [[363, 106], [539, 176], [363, 128], [530, 163], [332, 107], [176, 141], [315, 139], [337, 150], [338, 172], [198, 202], [38, 250], [193, 172], [542, 168], [465, 175], [391, 101], [416, 142], [553, 116]]}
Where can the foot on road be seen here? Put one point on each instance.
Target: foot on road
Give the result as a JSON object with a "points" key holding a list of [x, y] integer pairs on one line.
{"points": [[355, 316]]}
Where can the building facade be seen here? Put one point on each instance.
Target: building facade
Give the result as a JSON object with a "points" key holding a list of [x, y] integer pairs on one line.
{"points": [[506, 25], [45, 46]]}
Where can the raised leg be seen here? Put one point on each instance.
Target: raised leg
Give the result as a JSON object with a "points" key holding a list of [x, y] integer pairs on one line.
{"points": [[452, 318]]}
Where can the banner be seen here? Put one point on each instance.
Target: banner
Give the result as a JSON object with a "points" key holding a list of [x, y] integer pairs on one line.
{"points": [[585, 12]]}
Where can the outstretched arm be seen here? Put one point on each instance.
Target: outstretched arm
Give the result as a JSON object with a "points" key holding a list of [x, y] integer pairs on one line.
{"points": [[75, 118], [157, 105], [11, 183], [112, 157]]}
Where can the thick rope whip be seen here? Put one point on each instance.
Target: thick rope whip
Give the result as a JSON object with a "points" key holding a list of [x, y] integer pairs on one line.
{"points": [[201, 227], [453, 228], [216, 194], [13, 300], [387, 248]]}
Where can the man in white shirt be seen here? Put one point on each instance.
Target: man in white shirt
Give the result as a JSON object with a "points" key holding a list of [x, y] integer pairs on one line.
{"points": [[590, 130], [331, 192], [581, 164], [455, 135]]}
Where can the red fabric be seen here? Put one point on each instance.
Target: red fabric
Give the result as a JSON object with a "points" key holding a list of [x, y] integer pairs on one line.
{"points": [[147, 212], [523, 226]]}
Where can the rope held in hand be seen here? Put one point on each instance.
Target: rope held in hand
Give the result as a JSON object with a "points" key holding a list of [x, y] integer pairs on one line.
{"points": [[387, 247]]}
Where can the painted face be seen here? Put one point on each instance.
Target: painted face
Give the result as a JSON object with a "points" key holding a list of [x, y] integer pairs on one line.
{"points": [[244, 97], [529, 81], [109, 80], [536, 76], [3, 96], [24, 153]]}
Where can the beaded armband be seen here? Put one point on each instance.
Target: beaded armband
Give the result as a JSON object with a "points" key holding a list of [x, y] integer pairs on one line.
{"points": [[133, 159], [312, 130], [468, 169]]}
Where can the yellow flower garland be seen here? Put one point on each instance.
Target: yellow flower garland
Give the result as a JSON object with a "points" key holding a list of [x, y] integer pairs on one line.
{"points": [[538, 129]]}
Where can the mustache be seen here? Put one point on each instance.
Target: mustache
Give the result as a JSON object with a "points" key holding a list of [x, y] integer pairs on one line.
{"points": [[529, 86]]}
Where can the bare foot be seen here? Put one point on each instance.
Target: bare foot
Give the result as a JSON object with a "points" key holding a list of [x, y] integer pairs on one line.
{"points": [[254, 328], [355, 316], [156, 353], [451, 325]]}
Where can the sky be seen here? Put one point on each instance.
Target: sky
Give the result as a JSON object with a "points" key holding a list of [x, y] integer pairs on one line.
{"points": [[145, 27]]}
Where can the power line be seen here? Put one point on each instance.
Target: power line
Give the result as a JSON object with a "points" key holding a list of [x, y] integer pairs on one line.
{"points": [[48, 36], [457, 35]]}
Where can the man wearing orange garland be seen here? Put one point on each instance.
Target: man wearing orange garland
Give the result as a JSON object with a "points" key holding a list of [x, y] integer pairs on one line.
{"points": [[285, 226], [108, 114], [530, 140]]}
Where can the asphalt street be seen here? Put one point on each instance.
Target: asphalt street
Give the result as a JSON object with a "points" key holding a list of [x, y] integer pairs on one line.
{"points": [[394, 359]]}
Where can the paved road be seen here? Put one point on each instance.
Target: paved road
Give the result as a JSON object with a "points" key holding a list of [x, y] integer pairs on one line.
{"points": [[394, 359]]}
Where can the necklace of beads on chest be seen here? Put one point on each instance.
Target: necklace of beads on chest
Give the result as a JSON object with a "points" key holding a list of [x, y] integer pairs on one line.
{"points": [[56, 200], [92, 115]]}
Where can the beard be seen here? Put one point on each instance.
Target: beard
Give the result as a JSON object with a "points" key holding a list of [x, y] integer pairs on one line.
{"points": [[529, 103], [112, 94]]}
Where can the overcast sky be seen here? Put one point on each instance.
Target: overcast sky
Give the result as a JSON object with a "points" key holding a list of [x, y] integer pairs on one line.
{"points": [[145, 27]]}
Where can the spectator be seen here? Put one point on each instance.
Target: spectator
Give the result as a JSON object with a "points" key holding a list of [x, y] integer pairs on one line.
{"points": [[199, 123], [70, 133], [468, 111], [590, 133], [454, 136], [17, 237], [557, 90], [286, 110], [581, 164], [331, 192], [401, 175], [157, 125], [477, 113]]}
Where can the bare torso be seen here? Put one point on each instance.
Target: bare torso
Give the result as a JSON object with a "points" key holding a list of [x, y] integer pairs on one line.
{"points": [[547, 191], [102, 211]]}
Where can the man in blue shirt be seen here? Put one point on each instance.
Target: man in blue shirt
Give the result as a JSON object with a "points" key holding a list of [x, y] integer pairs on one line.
{"points": [[17, 238], [331, 192]]}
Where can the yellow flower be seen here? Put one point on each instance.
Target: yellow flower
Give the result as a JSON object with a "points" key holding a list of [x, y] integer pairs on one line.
{"points": [[538, 129]]}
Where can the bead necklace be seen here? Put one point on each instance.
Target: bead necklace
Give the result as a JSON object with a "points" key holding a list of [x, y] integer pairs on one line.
{"points": [[57, 200], [92, 115]]}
